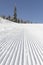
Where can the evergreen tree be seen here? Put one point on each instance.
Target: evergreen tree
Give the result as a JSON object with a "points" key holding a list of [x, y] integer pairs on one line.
{"points": [[21, 21], [15, 15], [3, 17], [18, 21], [9, 17]]}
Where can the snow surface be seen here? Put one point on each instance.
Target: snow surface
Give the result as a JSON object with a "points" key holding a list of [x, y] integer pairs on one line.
{"points": [[21, 44]]}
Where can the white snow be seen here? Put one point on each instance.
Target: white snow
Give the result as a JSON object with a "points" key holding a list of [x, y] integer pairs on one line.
{"points": [[21, 44]]}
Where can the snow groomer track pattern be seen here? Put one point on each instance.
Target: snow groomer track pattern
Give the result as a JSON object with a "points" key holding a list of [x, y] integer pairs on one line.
{"points": [[21, 44]]}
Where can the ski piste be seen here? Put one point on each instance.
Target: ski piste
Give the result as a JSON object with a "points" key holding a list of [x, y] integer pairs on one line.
{"points": [[21, 44]]}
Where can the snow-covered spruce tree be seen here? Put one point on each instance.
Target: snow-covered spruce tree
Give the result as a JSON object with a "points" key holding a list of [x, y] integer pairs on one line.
{"points": [[15, 15]]}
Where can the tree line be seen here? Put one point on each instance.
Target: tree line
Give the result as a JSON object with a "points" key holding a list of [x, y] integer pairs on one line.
{"points": [[14, 18]]}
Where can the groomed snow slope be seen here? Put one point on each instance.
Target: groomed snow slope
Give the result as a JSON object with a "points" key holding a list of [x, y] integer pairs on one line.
{"points": [[21, 44]]}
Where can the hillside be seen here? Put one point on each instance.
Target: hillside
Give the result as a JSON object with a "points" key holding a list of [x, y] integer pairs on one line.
{"points": [[21, 44]]}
